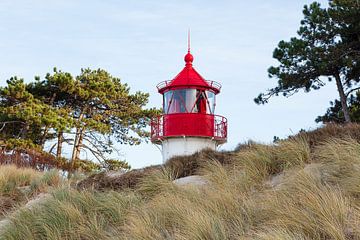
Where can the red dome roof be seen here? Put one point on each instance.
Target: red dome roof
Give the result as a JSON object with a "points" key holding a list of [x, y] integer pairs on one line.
{"points": [[189, 78]]}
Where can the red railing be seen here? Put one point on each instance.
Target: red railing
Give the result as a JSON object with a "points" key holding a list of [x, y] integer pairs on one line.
{"points": [[157, 130], [220, 130], [212, 84], [189, 124], [163, 84]]}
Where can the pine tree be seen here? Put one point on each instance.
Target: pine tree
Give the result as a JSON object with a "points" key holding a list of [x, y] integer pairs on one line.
{"points": [[23, 116], [328, 45], [334, 114], [88, 112]]}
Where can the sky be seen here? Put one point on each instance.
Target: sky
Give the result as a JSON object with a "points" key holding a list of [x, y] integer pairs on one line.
{"points": [[144, 42]]}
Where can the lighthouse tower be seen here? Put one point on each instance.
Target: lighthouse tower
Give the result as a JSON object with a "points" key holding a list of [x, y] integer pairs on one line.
{"points": [[188, 123]]}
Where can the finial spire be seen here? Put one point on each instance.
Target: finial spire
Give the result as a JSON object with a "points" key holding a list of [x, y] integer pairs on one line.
{"points": [[188, 57], [188, 40]]}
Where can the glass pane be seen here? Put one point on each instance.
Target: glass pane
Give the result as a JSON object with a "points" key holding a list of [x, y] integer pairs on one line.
{"points": [[177, 104], [167, 99], [196, 102], [190, 98], [201, 102], [179, 101], [211, 102]]}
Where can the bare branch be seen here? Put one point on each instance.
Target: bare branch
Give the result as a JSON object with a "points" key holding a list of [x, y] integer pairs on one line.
{"points": [[95, 146], [265, 97], [96, 154], [7, 122], [352, 90], [52, 148]]}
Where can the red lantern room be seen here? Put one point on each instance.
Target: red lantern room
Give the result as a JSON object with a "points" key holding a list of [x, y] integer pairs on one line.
{"points": [[188, 123]]}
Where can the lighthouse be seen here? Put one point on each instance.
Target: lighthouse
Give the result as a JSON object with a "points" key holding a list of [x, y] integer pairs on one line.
{"points": [[188, 123]]}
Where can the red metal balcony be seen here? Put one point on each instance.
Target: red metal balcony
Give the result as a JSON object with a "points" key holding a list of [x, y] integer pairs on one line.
{"points": [[211, 84], [190, 125]]}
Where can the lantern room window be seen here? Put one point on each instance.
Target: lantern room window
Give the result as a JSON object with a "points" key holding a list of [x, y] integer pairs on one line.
{"points": [[167, 100], [189, 101], [211, 102]]}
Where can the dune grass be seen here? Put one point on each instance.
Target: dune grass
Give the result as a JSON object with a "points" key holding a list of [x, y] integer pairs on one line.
{"points": [[12, 177], [18, 185], [316, 196], [70, 214]]}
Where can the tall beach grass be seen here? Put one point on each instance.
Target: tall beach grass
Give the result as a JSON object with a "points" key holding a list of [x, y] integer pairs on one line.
{"points": [[293, 189]]}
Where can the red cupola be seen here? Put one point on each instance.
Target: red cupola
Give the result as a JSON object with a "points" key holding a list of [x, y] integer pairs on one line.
{"points": [[188, 113]]}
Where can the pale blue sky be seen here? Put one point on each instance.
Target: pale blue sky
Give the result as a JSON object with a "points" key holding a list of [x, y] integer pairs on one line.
{"points": [[143, 43]]}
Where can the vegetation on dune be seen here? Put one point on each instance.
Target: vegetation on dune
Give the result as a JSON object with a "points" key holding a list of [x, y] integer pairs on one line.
{"points": [[305, 187], [69, 214], [18, 185], [183, 166]]}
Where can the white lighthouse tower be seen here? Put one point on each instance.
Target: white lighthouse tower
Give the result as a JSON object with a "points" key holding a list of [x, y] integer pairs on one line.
{"points": [[188, 123]]}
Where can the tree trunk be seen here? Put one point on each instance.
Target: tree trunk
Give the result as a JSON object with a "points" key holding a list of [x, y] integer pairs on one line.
{"points": [[74, 152], [43, 138], [343, 98], [77, 147], [46, 129], [25, 130], [60, 138]]}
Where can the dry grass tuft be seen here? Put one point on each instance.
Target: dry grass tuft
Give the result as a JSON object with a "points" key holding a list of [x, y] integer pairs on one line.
{"points": [[12, 178], [17, 185], [341, 164], [154, 183], [305, 205], [101, 181], [70, 214], [330, 131]]}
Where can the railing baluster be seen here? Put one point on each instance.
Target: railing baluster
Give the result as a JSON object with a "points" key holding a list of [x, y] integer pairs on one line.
{"points": [[219, 132]]}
